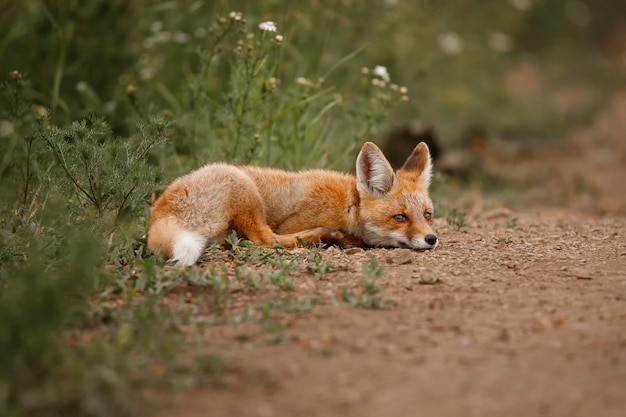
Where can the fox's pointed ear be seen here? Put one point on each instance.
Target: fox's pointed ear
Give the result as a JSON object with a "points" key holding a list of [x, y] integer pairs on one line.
{"points": [[419, 165], [374, 174]]}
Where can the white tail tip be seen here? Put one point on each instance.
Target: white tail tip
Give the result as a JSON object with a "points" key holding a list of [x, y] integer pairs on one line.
{"points": [[188, 247]]}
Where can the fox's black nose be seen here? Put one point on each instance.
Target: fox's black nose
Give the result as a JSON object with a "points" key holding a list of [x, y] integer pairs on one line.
{"points": [[430, 239]]}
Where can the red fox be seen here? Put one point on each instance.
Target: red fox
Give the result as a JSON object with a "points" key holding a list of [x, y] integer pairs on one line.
{"points": [[269, 206]]}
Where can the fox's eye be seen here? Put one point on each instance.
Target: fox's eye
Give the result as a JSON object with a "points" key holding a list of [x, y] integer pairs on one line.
{"points": [[428, 215], [401, 218]]}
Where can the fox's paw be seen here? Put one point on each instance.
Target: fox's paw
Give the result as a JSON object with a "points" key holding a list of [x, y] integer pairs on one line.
{"points": [[319, 235], [327, 236], [333, 237]]}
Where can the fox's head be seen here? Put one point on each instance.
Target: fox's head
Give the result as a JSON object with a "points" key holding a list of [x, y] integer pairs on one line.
{"points": [[395, 209]]}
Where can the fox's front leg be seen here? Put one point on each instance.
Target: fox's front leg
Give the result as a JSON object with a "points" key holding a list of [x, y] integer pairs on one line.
{"points": [[256, 230], [328, 236], [251, 223], [317, 236]]}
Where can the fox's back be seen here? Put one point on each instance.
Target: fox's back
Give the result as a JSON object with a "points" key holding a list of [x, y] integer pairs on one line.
{"points": [[301, 194], [305, 198]]}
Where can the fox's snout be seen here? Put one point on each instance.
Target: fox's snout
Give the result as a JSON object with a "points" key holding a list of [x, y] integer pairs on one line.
{"points": [[431, 239]]}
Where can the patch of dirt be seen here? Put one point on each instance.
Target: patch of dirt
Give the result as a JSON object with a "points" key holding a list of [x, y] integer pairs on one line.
{"points": [[506, 318], [521, 321]]}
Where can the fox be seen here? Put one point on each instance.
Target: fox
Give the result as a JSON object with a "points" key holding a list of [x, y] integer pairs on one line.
{"points": [[377, 207]]}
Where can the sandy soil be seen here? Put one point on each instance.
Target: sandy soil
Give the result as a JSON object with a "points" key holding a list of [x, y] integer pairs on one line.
{"points": [[505, 318], [533, 326]]}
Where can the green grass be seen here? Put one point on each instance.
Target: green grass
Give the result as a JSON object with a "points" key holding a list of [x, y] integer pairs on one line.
{"points": [[318, 265], [511, 223], [370, 296], [456, 219], [503, 240]]}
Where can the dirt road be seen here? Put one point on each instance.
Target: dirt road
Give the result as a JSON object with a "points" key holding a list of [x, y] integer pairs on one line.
{"points": [[529, 320]]}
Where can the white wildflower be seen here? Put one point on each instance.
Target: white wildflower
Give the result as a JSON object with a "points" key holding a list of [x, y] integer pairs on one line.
{"points": [[82, 87], [268, 26], [236, 16], [451, 43], [146, 73], [40, 110], [273, 83], [304, 82], [376, 82], [522, 4], [381, 71], [279, 38], [6, 129]]}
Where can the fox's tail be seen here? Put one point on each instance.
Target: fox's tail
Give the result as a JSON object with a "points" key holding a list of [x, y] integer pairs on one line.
{"points": [[182, 246]]}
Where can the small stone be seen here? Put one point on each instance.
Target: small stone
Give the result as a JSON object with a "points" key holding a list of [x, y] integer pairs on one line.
{"points": [[332, 250], [504, 335], [352, 251], [582, 274], [400, 257]]}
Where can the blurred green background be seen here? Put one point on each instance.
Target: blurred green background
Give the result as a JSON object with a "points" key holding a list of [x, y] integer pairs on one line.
{"points": [[516, 68]]}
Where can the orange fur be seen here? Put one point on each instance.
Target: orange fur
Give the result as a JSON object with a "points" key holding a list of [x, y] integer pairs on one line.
{"points": [[376, 208]]}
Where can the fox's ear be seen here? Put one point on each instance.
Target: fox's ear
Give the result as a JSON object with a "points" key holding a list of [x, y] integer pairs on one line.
{"points": [[419, 165], [374, 174]]}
